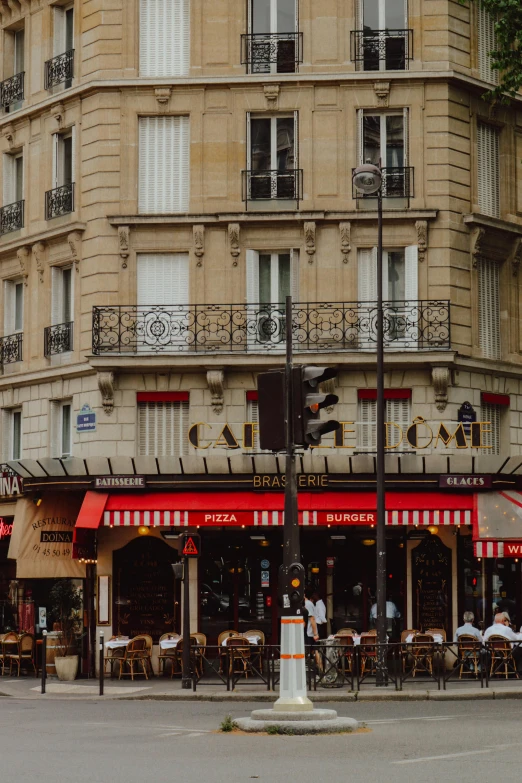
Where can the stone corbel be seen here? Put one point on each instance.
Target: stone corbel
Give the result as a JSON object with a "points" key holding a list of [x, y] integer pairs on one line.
{"points": [[58, 113], [162, 96], [8, 132], [382, 93], [421, 226], [309, 235], [75, 243], [15, 7], [215, 381], [516, 256], [345, 230], [441, 379], [23, 254], [38, 253], [106, 387], [198, 234], [272, 96], [477, 238], [5, 11], [123, 244], [233, 241]]}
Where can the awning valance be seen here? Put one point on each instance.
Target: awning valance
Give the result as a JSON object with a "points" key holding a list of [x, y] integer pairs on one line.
{"points": [[498, 548]]}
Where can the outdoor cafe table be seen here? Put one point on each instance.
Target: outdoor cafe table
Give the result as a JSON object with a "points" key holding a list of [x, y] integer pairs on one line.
{"points": [[114, 644], [437, 638]]}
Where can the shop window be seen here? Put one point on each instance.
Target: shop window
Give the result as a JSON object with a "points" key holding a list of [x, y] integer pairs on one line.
{"points": [[163, 422], [12, 434], [397, 412], [488, 169], [489, 308], [61, 428], [164, 37], [164, 169]]}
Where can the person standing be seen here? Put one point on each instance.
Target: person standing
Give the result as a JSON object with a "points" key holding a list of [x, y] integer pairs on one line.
{"points": [[311, 630], [320, 615]]}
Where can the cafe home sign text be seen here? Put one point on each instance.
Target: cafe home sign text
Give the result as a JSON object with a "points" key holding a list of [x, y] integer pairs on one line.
{"points": [[420, 434]]}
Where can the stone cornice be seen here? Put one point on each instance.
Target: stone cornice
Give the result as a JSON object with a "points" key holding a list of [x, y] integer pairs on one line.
{"points": [[270, 217], [41, 236], [484, 221]]}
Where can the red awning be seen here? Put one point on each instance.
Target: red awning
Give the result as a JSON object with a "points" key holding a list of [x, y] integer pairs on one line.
{"points": [[180, 509], [498, 548]]}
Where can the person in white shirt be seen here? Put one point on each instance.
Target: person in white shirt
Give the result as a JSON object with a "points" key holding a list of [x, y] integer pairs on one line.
{"points": [[320, 615], [312, 634], [501, 627], [468, 628]]}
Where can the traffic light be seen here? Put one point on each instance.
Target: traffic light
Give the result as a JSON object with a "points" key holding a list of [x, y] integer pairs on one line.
{"points": [[309, 427], [271, 410], [291, 586]]}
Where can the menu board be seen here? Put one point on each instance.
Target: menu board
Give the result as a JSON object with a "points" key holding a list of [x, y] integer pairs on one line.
{"points": [[431, 583], [143, 596]]}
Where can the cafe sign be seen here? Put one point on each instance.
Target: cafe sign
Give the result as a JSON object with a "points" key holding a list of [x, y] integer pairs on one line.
{"points": [[457, 481], [10, 482], [119, 482]]}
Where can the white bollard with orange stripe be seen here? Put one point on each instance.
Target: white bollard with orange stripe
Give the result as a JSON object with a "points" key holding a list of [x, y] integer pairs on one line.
{"points": [[292, 683]]}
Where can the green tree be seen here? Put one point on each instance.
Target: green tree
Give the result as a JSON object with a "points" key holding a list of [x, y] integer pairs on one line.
{"points": [[507, 57]]}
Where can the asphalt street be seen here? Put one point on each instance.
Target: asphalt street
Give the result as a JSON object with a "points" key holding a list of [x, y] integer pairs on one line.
{"points": [[142, 741]]}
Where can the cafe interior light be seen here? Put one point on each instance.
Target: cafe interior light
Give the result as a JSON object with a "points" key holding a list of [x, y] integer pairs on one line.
{"points": [[368, 541], [143, 530], [264, 542], [433, 529], [314, 569]]}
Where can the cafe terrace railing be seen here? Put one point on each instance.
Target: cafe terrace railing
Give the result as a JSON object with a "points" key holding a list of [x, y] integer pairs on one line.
{"points": [[259, 328]]}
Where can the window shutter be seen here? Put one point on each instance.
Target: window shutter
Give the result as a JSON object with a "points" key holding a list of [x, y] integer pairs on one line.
{"points": [[162, 428], [164, 37], [488, 169], [55, 429], [9, 179], [252, 277], [360, 137], [367, 429], [7, 434], [9, 307], [296, 139], [397, 411], [406, 134], [367, 274], [491, 413], [56, 296], [56, 159], [411, 271], [489, 309], [73, 154], [164, 164], [59, 31], [294, 275], [163, 279], [487, 42]]}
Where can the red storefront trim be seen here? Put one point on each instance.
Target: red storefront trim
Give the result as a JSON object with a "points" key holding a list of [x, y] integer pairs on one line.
{"points": [[163, 396], [252, 396], [496, 399], [389, 394]]}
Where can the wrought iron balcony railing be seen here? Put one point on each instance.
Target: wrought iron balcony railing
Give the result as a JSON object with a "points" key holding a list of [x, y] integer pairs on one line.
{"points": [[397, 182], [272, 52], [11, 348], [58, 339], [260, 328], [59, 69], [378, 50], [59, 201], [273, 184], [12, 90], [12, 217]]}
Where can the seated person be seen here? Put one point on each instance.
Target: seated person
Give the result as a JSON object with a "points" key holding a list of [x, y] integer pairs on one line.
{"points": [[468, 628], [501, 627]]}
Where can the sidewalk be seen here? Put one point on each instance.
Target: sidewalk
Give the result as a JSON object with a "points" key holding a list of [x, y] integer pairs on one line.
{"points": [[164, 689]]}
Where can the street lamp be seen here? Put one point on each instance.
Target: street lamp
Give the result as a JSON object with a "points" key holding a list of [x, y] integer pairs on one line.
{"points": [[367, 180]]}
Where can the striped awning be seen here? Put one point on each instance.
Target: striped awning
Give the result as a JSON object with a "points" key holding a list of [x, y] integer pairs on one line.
{"points": [[498, 548]]}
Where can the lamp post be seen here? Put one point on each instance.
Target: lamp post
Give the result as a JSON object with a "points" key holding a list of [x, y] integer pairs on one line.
{"points": [[367, 180]]}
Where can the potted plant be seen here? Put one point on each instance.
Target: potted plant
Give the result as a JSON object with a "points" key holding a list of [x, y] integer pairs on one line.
{"points": [[66, 603]]}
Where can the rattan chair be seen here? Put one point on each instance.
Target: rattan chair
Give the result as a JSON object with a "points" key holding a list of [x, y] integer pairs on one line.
{"points": [[196, 661], [148, 646], [346, 650], [113, 655], [222, 650], [468, 649], [422, 651], [349, 631], [368, 651], [168, 655], [501, 652], [405, 646], [8, 645], [24, 655], [135, 654], [240, 660], [257, 648]]}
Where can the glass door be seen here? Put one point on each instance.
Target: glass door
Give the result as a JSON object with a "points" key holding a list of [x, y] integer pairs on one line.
{"points": [[272, 158], [384, 144], [273, 25], [384, 23]]}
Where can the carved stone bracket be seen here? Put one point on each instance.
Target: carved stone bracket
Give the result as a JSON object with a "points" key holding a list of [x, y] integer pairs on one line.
{"points": [[106, 387], [58, 113], [272, 96], [516, 256], [233, 241], [382, 93], [309, 235], [477, 239], [38, 253], [345, 230], [198, 233], [421, 226], [441, 379], [75, 243], [162, 96], [8, 132], [123, 244], [215, 381], [23, 254]]}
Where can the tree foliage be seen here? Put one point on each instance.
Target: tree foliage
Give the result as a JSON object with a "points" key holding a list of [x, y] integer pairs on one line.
{"points": [[507, 57]]}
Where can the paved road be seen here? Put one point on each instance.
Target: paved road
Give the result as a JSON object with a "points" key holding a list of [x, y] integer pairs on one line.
{"points": [[141, 741]]}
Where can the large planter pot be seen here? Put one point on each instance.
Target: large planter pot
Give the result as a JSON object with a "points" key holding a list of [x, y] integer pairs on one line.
{"points": [[66, 667]]}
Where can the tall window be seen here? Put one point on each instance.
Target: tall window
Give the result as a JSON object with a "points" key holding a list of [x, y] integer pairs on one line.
{"points": [[397, 412], [272, 157], [164, 37], [13, 179], [271, 277], [163, 424], [61, 424], [383, 139], [63, 44], [63, 158], [12, 88], [12, 434], [489, 308], [384, 40], [13, 307], [62, 295], [164, 171], [487, 43], [488, 169], [273, 25], [163, 297], [492, 413]]}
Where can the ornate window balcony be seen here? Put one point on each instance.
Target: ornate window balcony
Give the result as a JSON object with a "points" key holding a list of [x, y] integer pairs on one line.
{"points": [[58, 339], [12, 90], [11, 348], [59, 201], [382, 50], [260, 328], [397, 182], [273, 184], [59, 69], [272, 52], [12, 217]]}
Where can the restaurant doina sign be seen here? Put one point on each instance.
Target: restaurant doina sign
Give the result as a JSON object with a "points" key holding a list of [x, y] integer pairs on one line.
{"points": [[10, 482]]}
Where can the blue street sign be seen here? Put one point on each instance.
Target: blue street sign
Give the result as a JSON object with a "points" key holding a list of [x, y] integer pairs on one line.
{"points": [[86, 420]]}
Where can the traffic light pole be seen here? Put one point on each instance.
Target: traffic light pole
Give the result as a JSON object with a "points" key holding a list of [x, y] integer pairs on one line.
{"points": [[186, 678], [292, 688], [381, 663]]}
